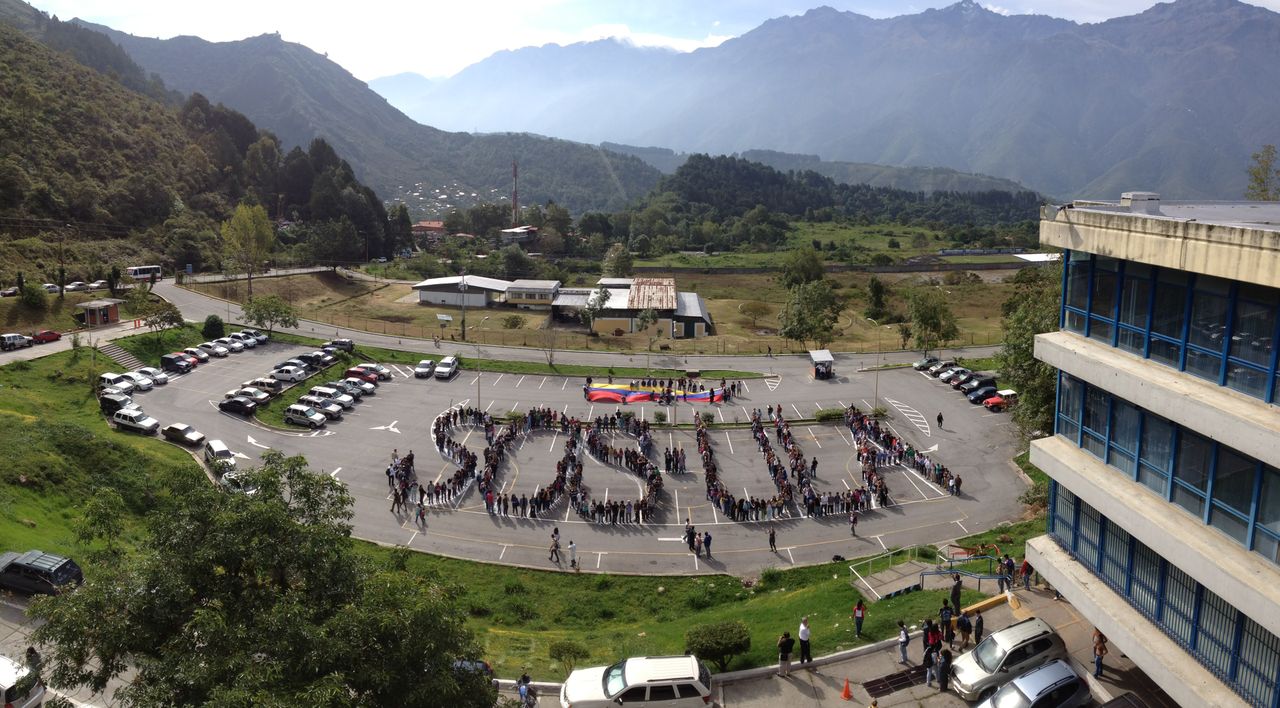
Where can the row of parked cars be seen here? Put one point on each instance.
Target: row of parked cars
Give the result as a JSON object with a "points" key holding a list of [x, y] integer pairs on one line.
{"points": [[977, 386], [74, 286]]}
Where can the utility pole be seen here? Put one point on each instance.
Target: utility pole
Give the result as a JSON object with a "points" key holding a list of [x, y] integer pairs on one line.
{"points": [[876, 399], [462, 286]]}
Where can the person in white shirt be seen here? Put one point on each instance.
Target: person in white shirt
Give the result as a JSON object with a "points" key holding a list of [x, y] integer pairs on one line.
{"points": [[803, 634]]}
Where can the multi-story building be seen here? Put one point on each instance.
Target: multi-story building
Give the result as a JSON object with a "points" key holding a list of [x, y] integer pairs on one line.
{"points": [[1164, 504]]}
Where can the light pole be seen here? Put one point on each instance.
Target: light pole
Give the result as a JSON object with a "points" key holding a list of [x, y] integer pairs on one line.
{"points": [[477, 342], [462, 286], [876, 398]]}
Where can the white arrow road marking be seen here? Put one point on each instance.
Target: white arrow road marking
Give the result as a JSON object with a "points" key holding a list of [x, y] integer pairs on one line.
{"points": [[773, 383], [241, 455], [334, 473], [255, 443], [932, 449], [391, 427]]}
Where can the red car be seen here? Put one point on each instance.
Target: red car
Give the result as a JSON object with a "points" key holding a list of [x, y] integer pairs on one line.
{"points": [[45, 336], [194, 362], [363, 374]]}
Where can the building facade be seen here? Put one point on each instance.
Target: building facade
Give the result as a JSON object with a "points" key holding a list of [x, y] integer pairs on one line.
{"points": [[1164, 502]]}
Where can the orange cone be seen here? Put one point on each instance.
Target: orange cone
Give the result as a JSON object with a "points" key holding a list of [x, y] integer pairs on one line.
{"points": [[846, 693]]}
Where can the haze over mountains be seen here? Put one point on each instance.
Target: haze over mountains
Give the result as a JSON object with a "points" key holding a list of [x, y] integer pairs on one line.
{"points": [[1173, 99]]}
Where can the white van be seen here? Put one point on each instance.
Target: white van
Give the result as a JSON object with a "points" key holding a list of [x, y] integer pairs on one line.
{"points": [[18, 686], [116, 381], [14, 341], [333, 394], [219, 457], [447, 367]]}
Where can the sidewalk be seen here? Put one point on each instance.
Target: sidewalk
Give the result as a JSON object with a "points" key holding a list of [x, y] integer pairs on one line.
{"points": [[822, 685], [88, 337]]}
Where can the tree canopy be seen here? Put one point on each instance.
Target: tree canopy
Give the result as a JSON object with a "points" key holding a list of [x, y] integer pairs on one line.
{"points": [[247, 240], [810, 313], [931, 317], [1032, 309], [269, 312], [259, 599]]}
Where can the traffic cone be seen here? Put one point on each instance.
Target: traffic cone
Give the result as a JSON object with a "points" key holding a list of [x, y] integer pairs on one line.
{"points": [[846, 693]]}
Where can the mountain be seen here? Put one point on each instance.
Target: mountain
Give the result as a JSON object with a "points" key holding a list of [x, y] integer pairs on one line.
{"points": [[401, 89], [911, 179], [1174, 99], [300, 95]]}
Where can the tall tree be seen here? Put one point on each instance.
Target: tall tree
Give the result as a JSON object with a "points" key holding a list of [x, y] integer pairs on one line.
{"points": [[801, 265], [269, 312], [247, 241], [810, 313], [596, 302], [617, 262], [1032, 309], [1264, 176], [260, 599], [931, 317], [877, 298]]}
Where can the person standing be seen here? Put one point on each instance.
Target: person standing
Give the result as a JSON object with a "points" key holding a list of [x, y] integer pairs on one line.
{"points": [[956, 587], [1026, 574], [805, 655], [555, 550], [978, 629], [853, 523], [785, 645], [904, 638], [573, 555], [944, 669], [965, 627], [697, 544], [773, 539], [706, 543], [930, 663], [948, 630], [859, 614], [1099, 651]]}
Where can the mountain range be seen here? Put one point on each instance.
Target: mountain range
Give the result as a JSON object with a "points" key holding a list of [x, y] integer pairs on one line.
{"points": [[1174, 99]]}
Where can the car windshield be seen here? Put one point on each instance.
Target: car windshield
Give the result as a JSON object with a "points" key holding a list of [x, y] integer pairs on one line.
{"points": [[224, 454], [615, 679], [988, 654], [1009, 696]]}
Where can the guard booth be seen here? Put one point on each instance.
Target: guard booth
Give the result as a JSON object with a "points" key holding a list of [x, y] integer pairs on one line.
{"points": [[823, 364]]}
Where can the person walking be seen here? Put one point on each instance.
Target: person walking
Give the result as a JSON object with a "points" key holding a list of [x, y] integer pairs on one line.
{"points": [[1026, 574], [965, 626], [853, 523], [904, 638], [859, 614], [706, 543], [1099, 651], [773, 539], [573, 555], [930, 663], [554, 551], [785, 645], [939, 420], [805, 655], [948, 630], [944, 669]]}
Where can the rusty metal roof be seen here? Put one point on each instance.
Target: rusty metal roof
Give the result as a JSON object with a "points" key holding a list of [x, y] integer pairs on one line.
{"points": [[658, 293]]}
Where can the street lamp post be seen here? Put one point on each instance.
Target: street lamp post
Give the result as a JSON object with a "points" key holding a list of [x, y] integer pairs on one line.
{"points": [[462, 286], [879, 354]]}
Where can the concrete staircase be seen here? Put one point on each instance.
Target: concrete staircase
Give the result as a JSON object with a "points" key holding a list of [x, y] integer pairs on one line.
{"points": [[126, 360]]}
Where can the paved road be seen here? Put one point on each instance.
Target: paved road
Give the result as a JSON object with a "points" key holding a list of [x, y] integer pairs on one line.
{"points": [[91, 337], [974, 443]]}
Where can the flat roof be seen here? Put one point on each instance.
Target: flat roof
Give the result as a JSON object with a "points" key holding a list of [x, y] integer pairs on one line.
{"points": [[535, 284], [1263, 216], [691, 305], [820, 356], [473, 281], [104, 302], [614, 282]]}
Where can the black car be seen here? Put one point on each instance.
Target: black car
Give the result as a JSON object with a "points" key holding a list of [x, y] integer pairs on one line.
{"points": [[978, 382], [312, 360], [37, 572], [238, 404], [175, 363], [112, 402], [981, 394], [345, 345]]}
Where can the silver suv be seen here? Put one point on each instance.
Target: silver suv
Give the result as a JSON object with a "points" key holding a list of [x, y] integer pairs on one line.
{"points": [[1010, 652], [1054, 685]]}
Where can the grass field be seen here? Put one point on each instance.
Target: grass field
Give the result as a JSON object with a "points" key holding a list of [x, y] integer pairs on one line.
{"points": [[859, 242], [59, 313]]}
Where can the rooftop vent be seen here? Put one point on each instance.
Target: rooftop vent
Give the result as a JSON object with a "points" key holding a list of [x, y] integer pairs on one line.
{"points": [[1141, 202]]}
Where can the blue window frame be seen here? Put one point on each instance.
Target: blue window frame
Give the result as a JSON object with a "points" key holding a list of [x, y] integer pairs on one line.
{"points": [[1222, 331]]}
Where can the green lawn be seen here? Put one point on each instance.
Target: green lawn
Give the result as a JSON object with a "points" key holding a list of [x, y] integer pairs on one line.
{"points": [[985, 258], [985, 363], [150, 346], [860, 242]]}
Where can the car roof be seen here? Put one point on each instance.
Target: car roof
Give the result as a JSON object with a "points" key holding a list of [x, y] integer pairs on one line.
{"points": [[41, 560], [1016, 634], [660, 668], [11, 672], [1043, 678]]}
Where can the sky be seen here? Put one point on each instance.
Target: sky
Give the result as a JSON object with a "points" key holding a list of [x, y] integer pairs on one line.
{"points": [[438, 38]]}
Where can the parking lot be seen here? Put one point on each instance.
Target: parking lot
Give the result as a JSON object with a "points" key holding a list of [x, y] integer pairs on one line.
{"points": [[356, 450]]}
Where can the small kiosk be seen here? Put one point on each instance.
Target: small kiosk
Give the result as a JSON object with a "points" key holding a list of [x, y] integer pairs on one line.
{"points": [[823, 364], [99, 312]]}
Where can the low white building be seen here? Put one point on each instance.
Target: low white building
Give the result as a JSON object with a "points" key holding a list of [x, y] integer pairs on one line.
{"points": [[456, 290]]}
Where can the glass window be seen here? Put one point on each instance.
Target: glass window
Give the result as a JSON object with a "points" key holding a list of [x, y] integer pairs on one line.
{"points": [[1230, 524], [1124, 425], [1233, 480], [1166, 353], [1132, 341], [1157, 441], [1078, 283], [1209, 313], [1266, 545], [1179, 603], [1259, 662], [1115, 556], [1104, 287], [1217, 629], [1135, 296], [1189, 500], [1146, 579], [1100, 330], [1195, 455], [1096, 409], [1170, 305], [1155, 480], [1269, 500], [1246, 380], [1205, 365], [1069, 391], [1254, 326], [1075, 322], [1089, 534]]}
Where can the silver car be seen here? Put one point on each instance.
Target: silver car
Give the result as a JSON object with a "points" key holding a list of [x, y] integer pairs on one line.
{"points": [[1004, 654], [230, 344], [157, 376], [303, 415], [214, 349], [1054, 684]]}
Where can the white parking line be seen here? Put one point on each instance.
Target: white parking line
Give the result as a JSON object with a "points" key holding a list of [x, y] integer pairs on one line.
{"points": [[473, 381], [486, 408], [566, 383], [791, 557], [599, 555], [962, 528], [815, 437], [720, 411], [744, 387], [730, 441], [881, 540], [410, 541], [335, 472], [695, 562], [747, 412], [504, 551], [520, 382], [677, 504], [544, 380], [553, 441], [797, 410], [513, 406], [842, 405], [495, 381]]}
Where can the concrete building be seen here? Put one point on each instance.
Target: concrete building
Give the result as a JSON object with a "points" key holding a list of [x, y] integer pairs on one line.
{"points": [[1164, 502], [533, 294], [478, 291], [679, 314]]}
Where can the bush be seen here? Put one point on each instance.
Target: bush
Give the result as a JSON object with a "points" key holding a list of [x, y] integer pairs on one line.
{"points": [[823, 415], [708, 418], [513, 322], [214, 328], [719, 642], [659, 416], [770, 577], [33, 297], [568, 653]]}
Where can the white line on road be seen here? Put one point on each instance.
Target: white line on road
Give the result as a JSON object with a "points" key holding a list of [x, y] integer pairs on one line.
{"points": [[553, 441], [730, 441], [335, 472], [566, 383], [720, 411], [842, 405], [473, 381], [714, 516], [641, 412], [486, 408], [867, 403], [962, 528], [495, 381], [846, 483], [791, 557], [695, 562], [677, 504], [673, 538], [918, 489], [504, 552], [544, 380], [513, 406], [744, 387], [747, 412], [410, 541], [599, 554], [815, 437], [797, 410], [520, 382], [881, 540]]}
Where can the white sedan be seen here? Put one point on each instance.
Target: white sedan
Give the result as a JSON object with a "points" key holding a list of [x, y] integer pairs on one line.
{"points": [[140, 382], [157, 376], [289, 373], [230, 344], [254, 394], [214, 349]]}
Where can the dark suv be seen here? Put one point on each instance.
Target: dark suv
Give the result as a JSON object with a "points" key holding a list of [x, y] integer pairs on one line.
{"points": [[37, 572]]}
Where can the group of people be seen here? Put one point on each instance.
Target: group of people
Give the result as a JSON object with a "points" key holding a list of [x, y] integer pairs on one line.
{"points": [[616, 511], [746, 508]]}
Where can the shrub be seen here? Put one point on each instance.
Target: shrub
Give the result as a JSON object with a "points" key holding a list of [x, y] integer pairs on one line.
{"points": [[708, 418], [33, 297], [719, 642], [770, 577], [513, 322], [823, 415], [213, 328], [893, 243], [659, 416], [568, 653]]}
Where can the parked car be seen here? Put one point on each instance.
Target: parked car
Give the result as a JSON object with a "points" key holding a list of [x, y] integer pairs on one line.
{"points": [[238, 404], [979, 673], [176, 363], [229, 344], [9, 292], [77, 286], [289, 373], [257, 334], [667, 681], [383, 372], [98, 285], [15, 341], [247, 340], [326, 359], [348, 388], [214, 349], [45, 336], [234, 482], [925, 363], [219, 457], [300, 414], [201, 355], [50, 288], [363, 386], [117, 381], [299, 363], [256, 395], [38, 573], [447, 367], [324, 406], [939, 367], [333, 394], [977, 382], [183, 434], [313, 360], [978, 395], [1055, 684], [957, 382], [363, 374], [157, 376], [272, 386], [191, 359], [953, 373], [345, 345], [18, 687], [140, 382], [424, 369], [137, 421], [109, 403], [1002, 400]]}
